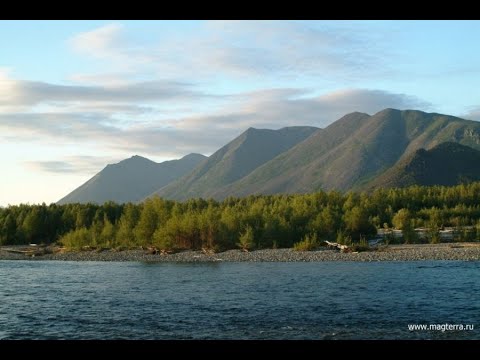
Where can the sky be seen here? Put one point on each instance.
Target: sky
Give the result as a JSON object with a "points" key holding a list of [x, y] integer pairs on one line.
{"points": [[78, 95]]}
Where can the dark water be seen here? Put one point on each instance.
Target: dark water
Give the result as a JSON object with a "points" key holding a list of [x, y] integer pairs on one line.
{"points": [[324, 300]]}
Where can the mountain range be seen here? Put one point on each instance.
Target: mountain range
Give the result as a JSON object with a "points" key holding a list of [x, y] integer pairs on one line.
{"points": [[357, 152]]}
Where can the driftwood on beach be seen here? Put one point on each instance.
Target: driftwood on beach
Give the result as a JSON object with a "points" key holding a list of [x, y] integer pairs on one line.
{"points": [[336, 245], [34, 251]]}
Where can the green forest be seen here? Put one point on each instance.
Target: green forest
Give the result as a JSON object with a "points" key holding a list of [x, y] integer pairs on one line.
{"points": [[253, 222]]}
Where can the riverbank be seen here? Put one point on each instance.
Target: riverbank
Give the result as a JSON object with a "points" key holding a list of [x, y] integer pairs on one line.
{"points": [[447, 251]]}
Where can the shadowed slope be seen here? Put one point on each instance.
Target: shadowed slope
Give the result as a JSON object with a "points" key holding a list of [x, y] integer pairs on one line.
{"points": [[446, 164]]}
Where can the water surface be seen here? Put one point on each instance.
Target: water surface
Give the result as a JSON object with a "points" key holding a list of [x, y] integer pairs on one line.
{"points": [[314, 300]]}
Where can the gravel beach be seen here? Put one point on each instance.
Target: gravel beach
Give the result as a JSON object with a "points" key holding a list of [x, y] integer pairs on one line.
{"points": [[450, 251]]}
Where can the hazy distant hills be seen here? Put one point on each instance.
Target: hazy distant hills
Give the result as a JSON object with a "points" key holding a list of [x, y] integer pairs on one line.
{"points": [[131, 180], [357, 152], [234, 161], [446, 164]]}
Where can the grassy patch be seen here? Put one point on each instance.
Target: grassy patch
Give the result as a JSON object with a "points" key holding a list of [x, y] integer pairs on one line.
{"points": [[308, 243]]}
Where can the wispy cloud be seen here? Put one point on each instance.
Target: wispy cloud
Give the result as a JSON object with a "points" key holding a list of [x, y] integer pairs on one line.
{"points": [[277, 108], [102, 42], [238, 49], [473, 114], [28, 93], [284, 47], [71, 165]]}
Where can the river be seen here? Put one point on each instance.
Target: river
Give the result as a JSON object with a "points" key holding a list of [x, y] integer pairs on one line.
{"points": [[314, 300]]}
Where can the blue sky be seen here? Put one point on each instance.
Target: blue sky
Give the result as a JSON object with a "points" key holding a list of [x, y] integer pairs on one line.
{"points": [[77, 95]]}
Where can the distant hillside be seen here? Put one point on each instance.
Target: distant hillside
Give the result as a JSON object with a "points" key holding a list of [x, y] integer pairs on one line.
{"points": [[353, 150], [234, 161], [131, 180], [445, 164]]}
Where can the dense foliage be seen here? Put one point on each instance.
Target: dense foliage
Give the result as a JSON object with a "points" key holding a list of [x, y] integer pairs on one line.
{"points": [[253, 222]]}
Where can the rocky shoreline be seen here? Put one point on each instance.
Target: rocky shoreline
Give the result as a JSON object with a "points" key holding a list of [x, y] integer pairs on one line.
{"points": [[450, 251]]}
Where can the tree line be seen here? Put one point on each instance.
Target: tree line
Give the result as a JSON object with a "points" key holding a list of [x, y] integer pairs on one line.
{"points": [[256, 221]]}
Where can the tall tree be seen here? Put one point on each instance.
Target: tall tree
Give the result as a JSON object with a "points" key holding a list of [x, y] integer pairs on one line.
{"points": [[147, 223]]}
